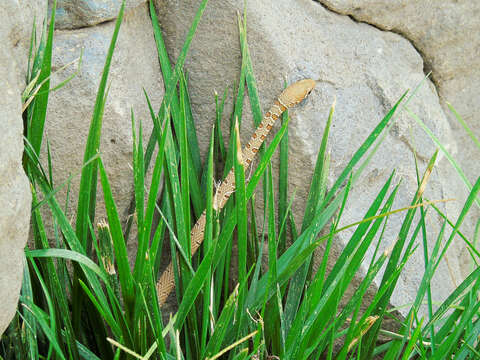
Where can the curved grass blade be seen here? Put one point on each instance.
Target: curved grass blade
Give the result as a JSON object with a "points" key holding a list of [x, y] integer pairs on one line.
{"points": [[46, 321], [88, 181], [208, 299], [449, 157], [70, 255], [241, 208], [315, 198], [395, 258], [361, 151], [35, 131], [124, 274]]}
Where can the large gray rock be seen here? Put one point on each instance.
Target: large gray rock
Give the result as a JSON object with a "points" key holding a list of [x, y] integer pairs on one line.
{"points": [[364, 68], [15, 197], [440, 30], [73, 14], [445, 34], [134, 68]]}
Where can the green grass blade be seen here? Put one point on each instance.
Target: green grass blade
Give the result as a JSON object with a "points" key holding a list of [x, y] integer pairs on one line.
{"points": [[194, 287], [218, 129], [184, 167], [156, 133], [31, 58], [193, 151], [221, 327], [231, 219], [449, 302], [253, 244], [317, 187], [171, 78], [236, 117], [42, 320], [85, 353], [172, 102], [273, 312], [472, 197], [471, 245], [70, 255], [361, 151], [449, 345], [124, 274], [107, 316], [411, 342], [464, 125], [69, 234], [35, 133], [203, 272], [186, 170], [31, 329], [395, 259], [175, 193], [362, 228], [283, 333], [152, 197], [249, 74], [207, 243], [193, 147], [356, 301], [241, 208], [88, 181], [426, 260], [283, 186], [324, 304], [156, 317], [46, 321], [53, 284], [237, 114], [449, 157], [315, 197], [139, 186], [468, 348]]}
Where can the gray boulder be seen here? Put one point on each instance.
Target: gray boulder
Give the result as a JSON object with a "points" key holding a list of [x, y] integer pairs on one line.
{"points": [[15, 197]]}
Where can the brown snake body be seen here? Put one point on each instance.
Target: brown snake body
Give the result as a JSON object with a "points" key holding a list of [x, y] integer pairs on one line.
{"points": [[291, 96]]}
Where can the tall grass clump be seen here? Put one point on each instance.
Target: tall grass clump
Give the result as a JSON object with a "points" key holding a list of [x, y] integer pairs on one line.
{"points": [[81, 299]]}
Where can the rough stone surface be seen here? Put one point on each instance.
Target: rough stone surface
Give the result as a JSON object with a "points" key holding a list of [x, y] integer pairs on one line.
{"points": [[15, 29], [134, 68], [444, 33], [73, 14], [364, 68]]}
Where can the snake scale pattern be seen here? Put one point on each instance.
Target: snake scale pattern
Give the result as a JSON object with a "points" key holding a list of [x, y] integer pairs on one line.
{"points": [[290, 97]]}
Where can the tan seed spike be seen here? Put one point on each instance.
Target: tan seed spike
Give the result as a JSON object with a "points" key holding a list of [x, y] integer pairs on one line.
{"points": [[290, 97]]}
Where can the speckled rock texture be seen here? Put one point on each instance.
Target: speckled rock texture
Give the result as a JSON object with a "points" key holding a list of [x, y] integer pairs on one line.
{"points": [[15, 30]]}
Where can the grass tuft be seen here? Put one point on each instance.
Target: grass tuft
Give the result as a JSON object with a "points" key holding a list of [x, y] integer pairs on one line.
{"points": [[251, 291]]}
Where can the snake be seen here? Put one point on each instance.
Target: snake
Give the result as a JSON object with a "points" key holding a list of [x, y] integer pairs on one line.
{"points": [[290, 97]]}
